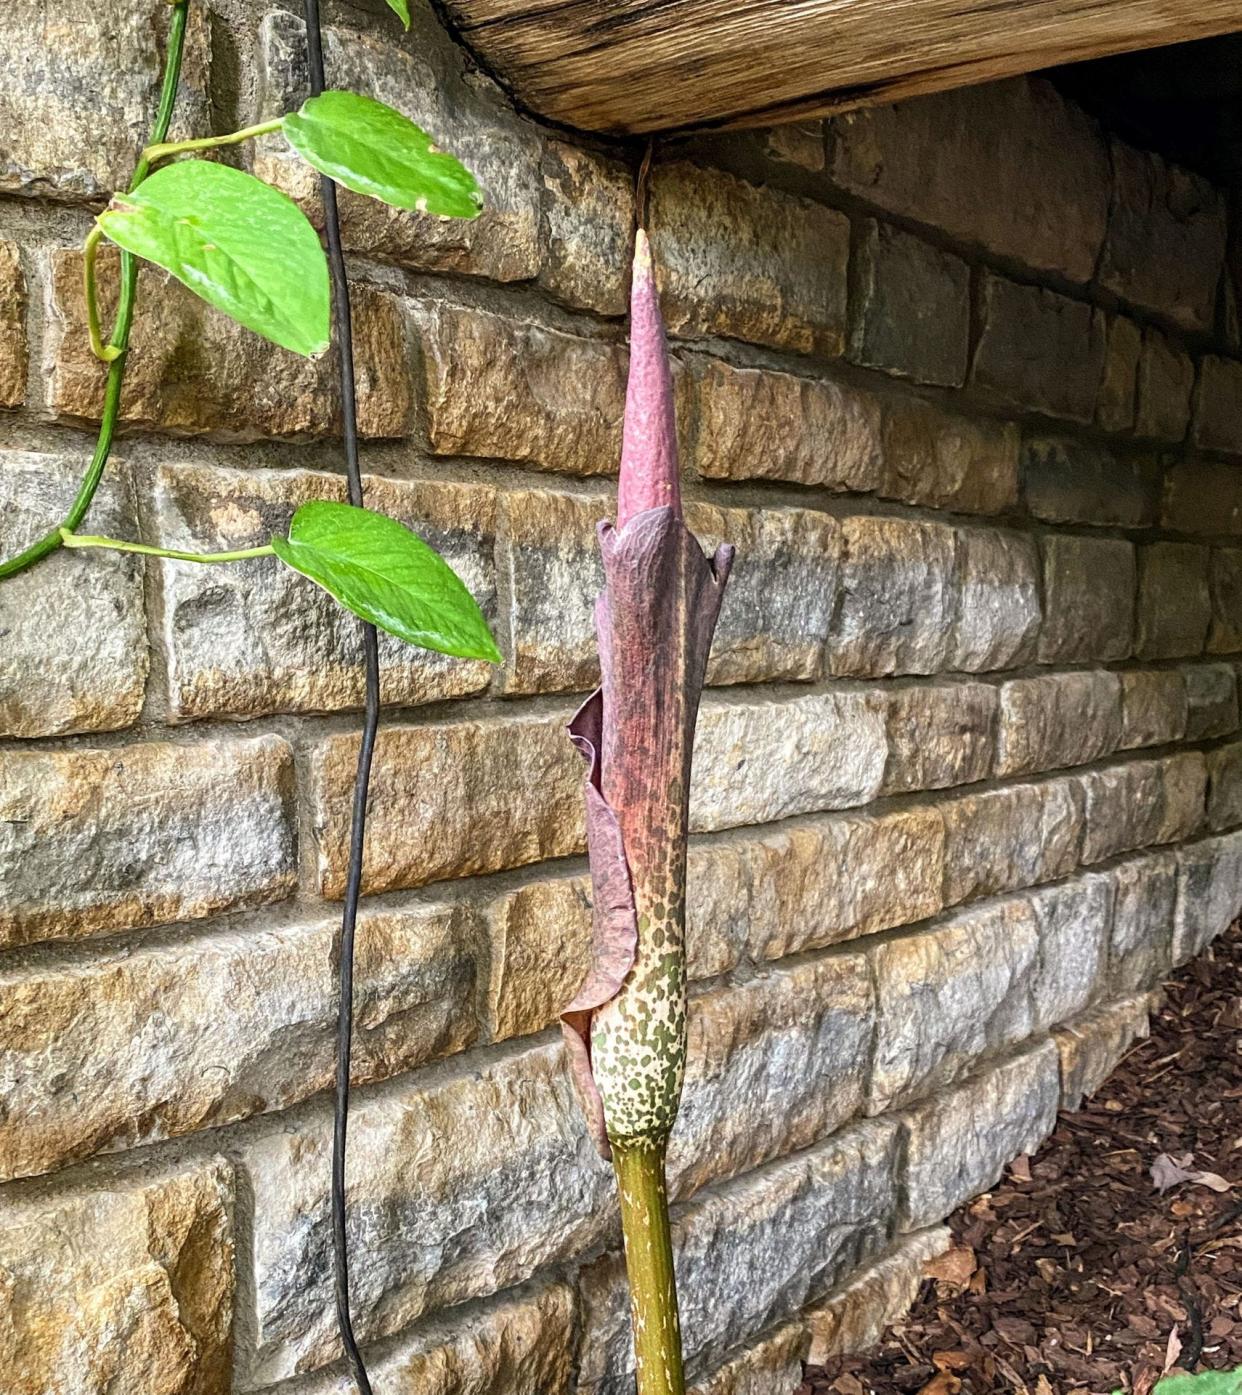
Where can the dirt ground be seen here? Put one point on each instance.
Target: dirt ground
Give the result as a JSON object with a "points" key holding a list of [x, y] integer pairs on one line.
{"points": [[1115, 1252]]}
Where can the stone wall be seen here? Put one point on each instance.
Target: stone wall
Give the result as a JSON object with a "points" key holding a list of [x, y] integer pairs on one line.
{"points": [[960, 378]]}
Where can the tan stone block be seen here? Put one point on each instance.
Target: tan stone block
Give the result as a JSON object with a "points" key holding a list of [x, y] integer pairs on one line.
{"points": [[1144, 896], [799, 900], [1091, 1046], [549, 558], [939, 734], [1143, 803], [1013, 837], [910, 306], [1166, 376], [99, 840], [758, 153], [449, 799], [998, 615], [1224, 808], [936, 458], [1067, 479], [801, 1035], [192, 370], [1074, 921], [1229, 308], [770, 1366], [518, 1344], [58, 145], [1012, 166], [142, 1044], [508, 389], [750, 423], [854, 1318], [74, 651], [949, 995], [1209, 893], [1153, 707], [746, 262], [1114, 409], [122, 1288], [1217, 421], [727, 897], [1089, 590], [230, 647], [758, 760], [1166, 238], [422, 79], [958, 1144], [1212, 700], [779, 601], [1203, 496], [772, 626], [14, 352], [588, 228], [1174, 606], [539, 953], [798, 143], [1225, 581], [1038, 350], [489, 1165], [752, 1253], [1056, 720], [898, 598]]}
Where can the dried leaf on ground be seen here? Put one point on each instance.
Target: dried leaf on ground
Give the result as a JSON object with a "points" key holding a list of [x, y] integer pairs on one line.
{"points": [[955, 1266], [1168, 1172], [1173, 1350], [942, 1383]]}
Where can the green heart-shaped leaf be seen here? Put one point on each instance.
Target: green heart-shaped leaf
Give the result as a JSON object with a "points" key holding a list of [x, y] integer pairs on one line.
{"points": [[387, 575], [240, 244], [372, 149], [401, 9], [1202, 1383]]}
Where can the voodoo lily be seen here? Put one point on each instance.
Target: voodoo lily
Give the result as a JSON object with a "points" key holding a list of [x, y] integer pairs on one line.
{"points": [[626, 1029]]}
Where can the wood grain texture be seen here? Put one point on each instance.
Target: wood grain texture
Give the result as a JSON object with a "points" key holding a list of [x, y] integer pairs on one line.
{"points": [[635, 66]]}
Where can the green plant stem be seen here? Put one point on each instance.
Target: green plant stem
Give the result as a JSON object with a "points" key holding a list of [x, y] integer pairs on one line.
{"points": [[51, 540], [102, 351], [649, 1264], [72, 540], [161, 150]]}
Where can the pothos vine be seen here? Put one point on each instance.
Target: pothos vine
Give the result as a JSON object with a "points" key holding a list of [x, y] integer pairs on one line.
{"points": [[249, 251]]}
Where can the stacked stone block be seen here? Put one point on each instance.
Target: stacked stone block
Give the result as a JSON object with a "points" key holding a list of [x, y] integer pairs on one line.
{"points": [[958, 379]]}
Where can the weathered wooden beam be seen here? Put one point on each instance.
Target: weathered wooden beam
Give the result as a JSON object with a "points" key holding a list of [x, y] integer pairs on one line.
{"points": [[634, 66]]}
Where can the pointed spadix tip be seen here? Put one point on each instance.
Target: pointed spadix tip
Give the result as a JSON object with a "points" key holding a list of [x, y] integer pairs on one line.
{"points": [[642, 254], [649, 476]]}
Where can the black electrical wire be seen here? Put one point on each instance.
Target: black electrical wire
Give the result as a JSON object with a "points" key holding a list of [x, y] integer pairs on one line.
{"points": [[362, 779]]}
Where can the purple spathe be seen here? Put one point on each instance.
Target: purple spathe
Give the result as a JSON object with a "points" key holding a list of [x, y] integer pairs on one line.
{"points": [[654, 621]]}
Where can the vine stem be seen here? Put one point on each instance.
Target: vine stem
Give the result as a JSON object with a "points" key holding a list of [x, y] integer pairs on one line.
{"points": [[162, 150], [649, 1265], [72, 540], [105, 352], [52, 540]]}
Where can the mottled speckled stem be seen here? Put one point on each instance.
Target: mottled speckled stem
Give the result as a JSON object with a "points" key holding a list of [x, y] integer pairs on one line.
{"points": [[649, 1264]]}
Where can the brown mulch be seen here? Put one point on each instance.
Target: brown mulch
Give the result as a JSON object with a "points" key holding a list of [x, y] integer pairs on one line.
{"points": [[1077, 1274]]}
